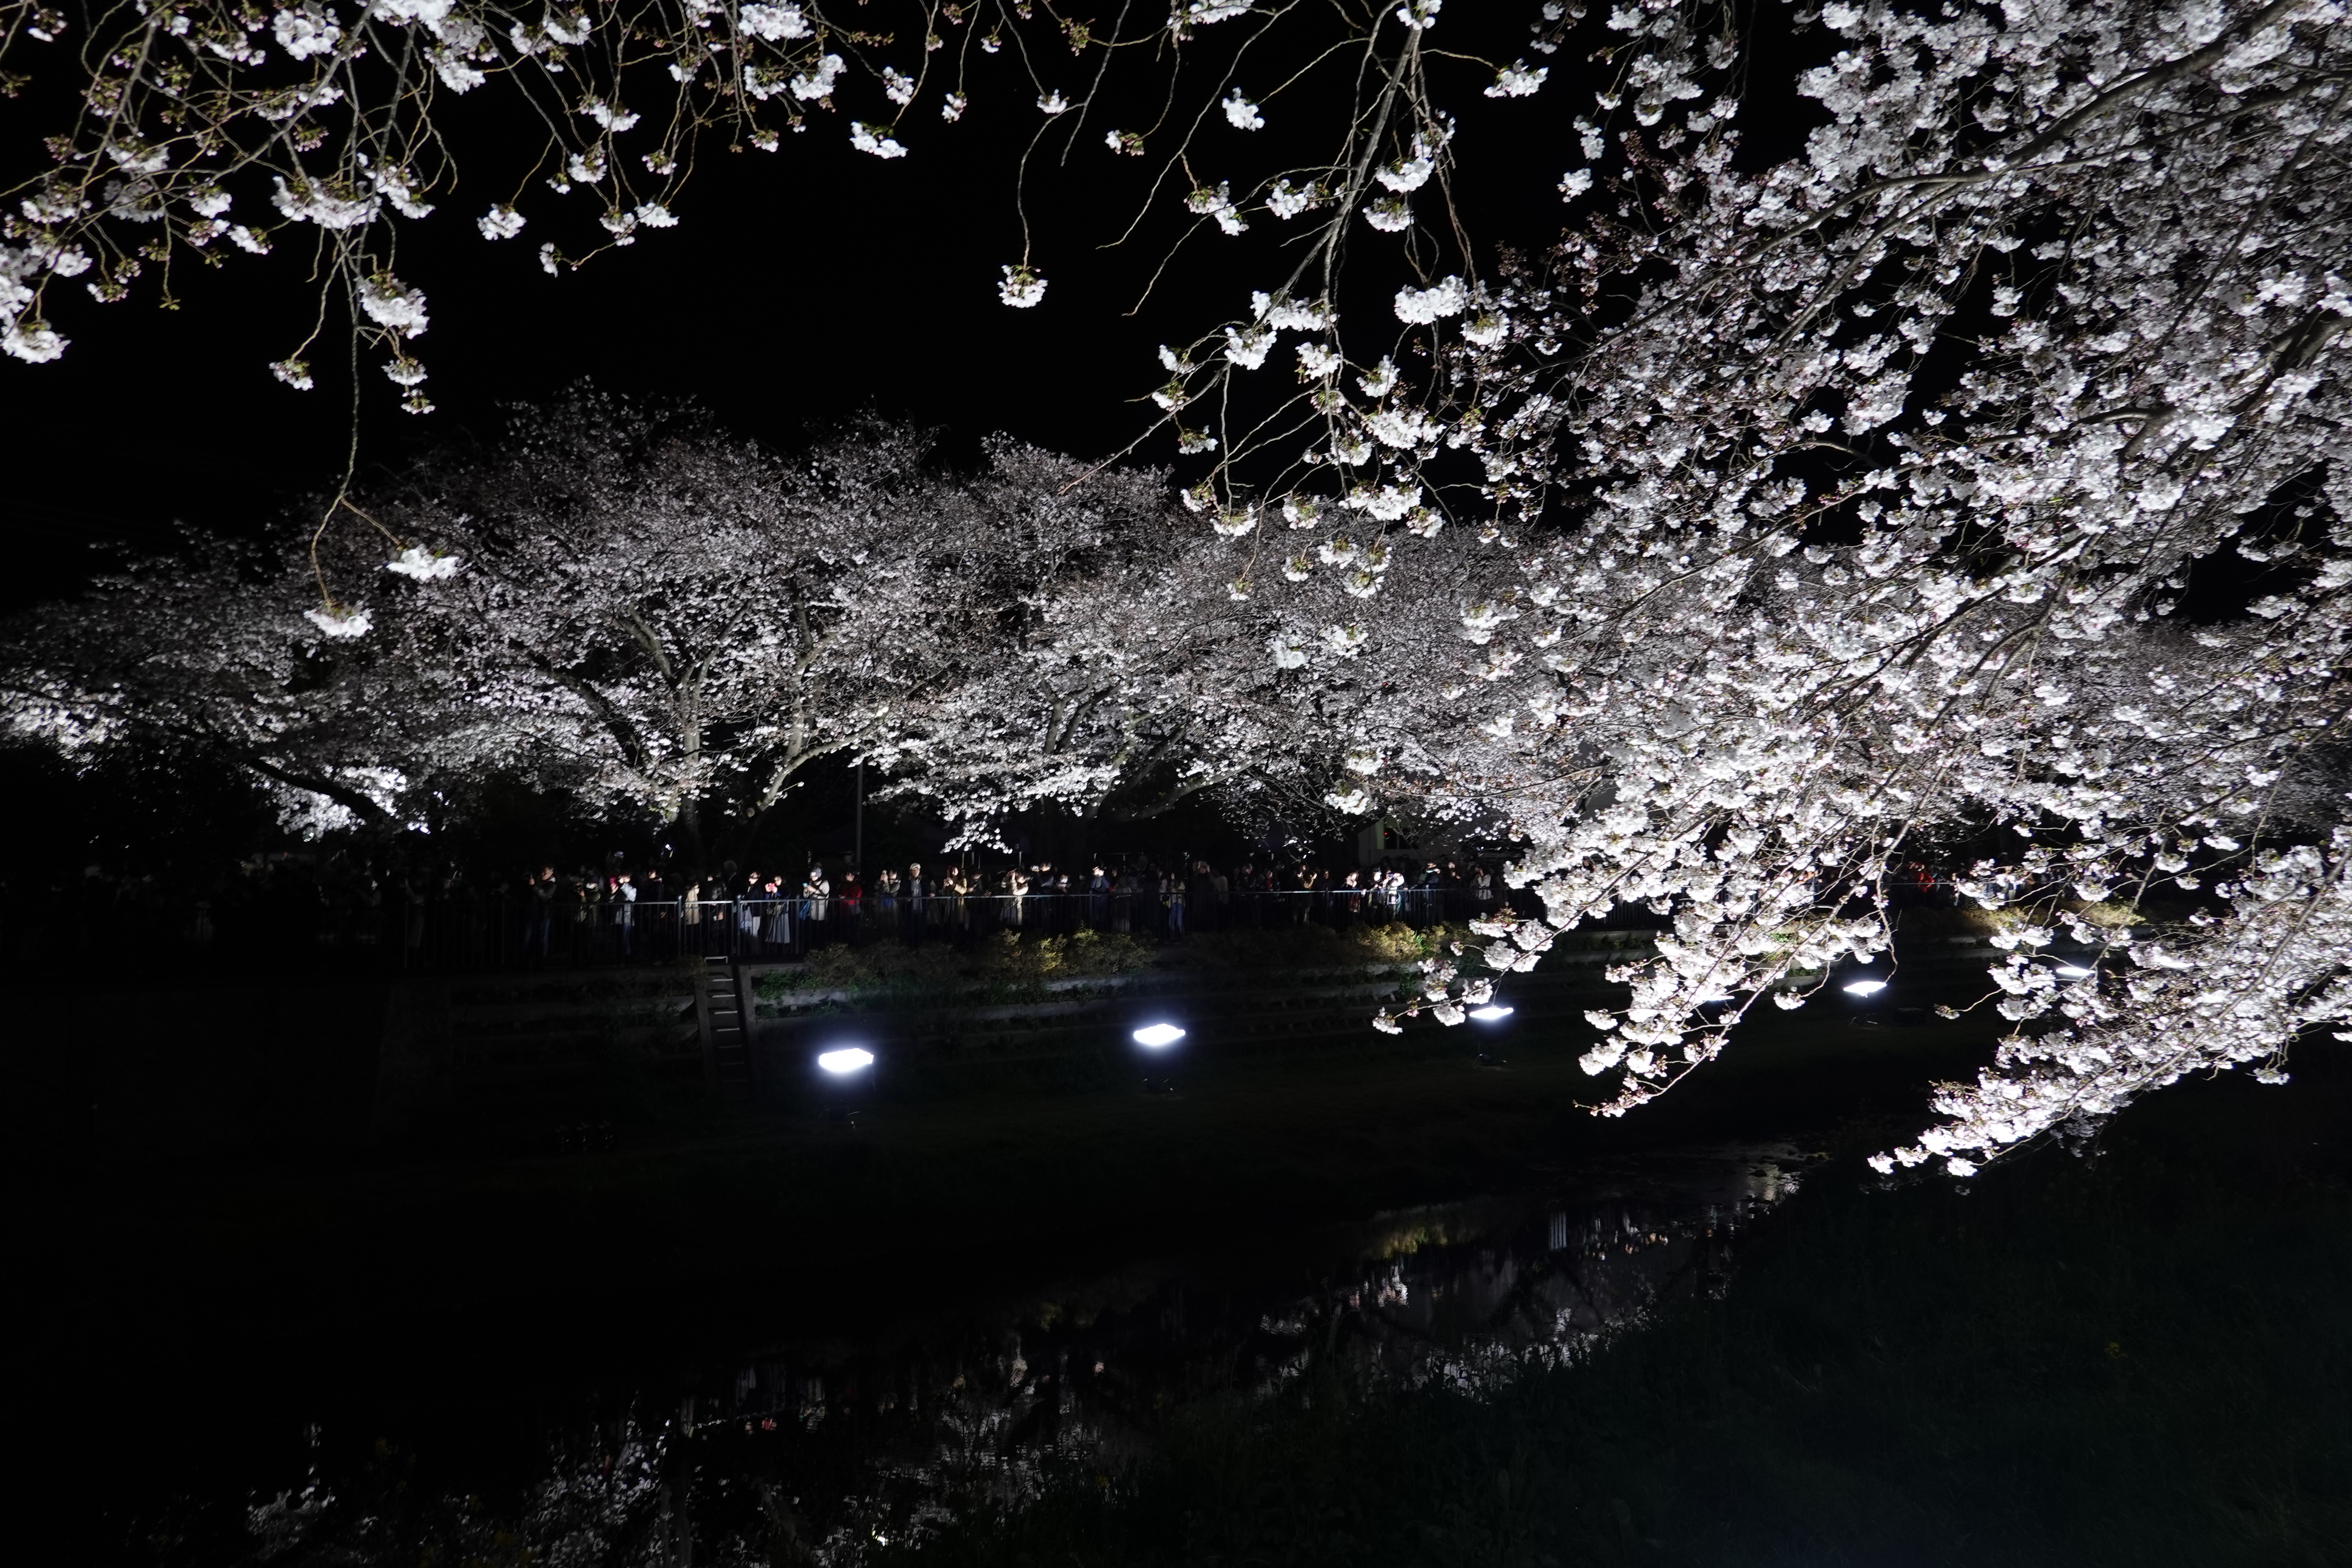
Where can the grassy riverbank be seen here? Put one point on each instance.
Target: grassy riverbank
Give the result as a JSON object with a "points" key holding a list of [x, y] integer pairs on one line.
{"points": [[1005, 966]]}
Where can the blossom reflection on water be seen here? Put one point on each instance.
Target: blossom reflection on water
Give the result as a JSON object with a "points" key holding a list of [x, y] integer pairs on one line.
{"points": [[830, 1450]]}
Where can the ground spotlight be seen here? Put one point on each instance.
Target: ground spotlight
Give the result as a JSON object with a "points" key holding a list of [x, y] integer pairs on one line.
{"points": [[1158, 1037], [1866, 988], [848, 1060], [1490, 1012]]}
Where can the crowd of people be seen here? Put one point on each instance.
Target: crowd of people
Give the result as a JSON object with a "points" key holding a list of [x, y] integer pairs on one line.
{"points": [[428, 915], [420, 916], [1131, 896], [754, 913]]}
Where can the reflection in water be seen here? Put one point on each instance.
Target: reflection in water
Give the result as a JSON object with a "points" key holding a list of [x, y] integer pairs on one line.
{"points": [[818, 1453]]}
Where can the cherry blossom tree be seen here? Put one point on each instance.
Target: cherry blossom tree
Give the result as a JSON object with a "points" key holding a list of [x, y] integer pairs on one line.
{"points": [[1856, 497], [658, 617], [1137, 672], [214, 659], [678, 620], [1789, 512], [1124, 673]]}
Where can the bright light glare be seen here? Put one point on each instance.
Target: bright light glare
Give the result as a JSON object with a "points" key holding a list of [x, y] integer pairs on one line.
{"points": [[1156, 1035], [846, 1060], [1490, 1012], [2072, 971], [1866, 988]]}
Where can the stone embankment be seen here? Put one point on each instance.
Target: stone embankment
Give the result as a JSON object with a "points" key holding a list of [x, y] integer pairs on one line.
{"points": [[479, 1048], [1076, 1032]]}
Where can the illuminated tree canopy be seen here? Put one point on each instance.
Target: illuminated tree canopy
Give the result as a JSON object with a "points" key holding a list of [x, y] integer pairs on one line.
{"points": [[1975, 465]]}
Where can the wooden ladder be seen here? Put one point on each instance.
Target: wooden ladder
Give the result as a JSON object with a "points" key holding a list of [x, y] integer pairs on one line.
{"points": [[726, 1034]]}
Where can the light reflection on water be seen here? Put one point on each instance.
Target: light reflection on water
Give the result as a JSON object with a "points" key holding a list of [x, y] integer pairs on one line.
{"points": [[827, 1450]]}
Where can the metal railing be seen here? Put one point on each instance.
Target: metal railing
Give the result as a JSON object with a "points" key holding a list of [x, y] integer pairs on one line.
{"points": [[397, 931]]}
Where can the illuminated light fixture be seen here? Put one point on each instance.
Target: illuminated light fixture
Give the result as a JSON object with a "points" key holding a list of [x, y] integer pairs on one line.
{"points": [[1491, 1011], [1158, 1037], [2073, 972], [1866, 988], [846, 1060]]}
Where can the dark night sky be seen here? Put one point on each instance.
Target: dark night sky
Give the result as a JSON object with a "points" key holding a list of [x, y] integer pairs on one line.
{"points": [[799, 287]]}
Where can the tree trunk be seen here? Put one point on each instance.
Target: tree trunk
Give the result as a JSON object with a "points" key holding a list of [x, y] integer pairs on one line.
{"points": [[687, 832]]}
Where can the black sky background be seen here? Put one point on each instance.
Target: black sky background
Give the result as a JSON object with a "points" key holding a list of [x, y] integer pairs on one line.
{"points": [[800, 287]]}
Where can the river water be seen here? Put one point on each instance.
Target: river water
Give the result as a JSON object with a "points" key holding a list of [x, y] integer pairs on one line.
{"points": [[827, 1449]]}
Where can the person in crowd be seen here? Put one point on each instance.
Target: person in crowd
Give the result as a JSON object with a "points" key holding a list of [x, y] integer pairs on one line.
{"points": [[776, 917], [624, 914], [581, 899], [538, 913], [915, 889], [852, 907], [747, 914], [1122, 899], [362, 904], [655, 892], [978, 912], [816, 904]]}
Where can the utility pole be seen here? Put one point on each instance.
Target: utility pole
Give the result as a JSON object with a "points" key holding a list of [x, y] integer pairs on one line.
{"points": [[857, 855]]}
